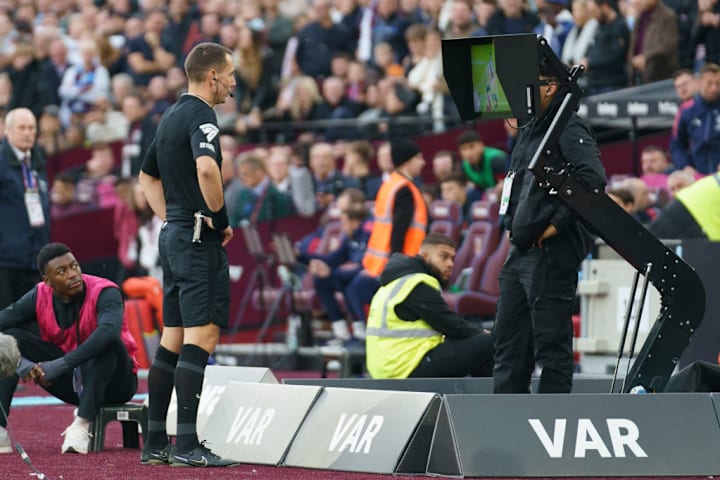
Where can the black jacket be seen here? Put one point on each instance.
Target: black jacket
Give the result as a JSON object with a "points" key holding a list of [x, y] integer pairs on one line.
{"points": [[531, 208], [425, 302], [607, 56]]}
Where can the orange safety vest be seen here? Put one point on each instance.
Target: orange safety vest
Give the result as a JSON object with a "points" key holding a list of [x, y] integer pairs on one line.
{"points": [[378, 249]]}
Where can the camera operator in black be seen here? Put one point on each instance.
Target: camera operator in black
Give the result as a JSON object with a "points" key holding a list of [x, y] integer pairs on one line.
{"points": [[182, 181], [538, 281]]}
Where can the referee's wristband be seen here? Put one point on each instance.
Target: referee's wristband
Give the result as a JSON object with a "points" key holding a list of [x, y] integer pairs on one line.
{"points": [[220, 219]]}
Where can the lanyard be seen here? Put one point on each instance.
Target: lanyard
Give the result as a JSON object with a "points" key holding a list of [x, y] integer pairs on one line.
{"points": [[28, 177]]}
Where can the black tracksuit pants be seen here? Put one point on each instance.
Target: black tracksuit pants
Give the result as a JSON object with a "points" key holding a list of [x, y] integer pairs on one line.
{"points": [[107, 379], [533, 325]]}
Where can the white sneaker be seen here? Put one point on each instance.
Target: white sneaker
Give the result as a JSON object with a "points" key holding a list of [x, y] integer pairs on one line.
{"points": [[5, 445], [340, 330], [77, 440], [359, 330]]}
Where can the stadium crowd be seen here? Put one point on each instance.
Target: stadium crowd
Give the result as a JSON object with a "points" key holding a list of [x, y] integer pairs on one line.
{"points": [[322, 88]]}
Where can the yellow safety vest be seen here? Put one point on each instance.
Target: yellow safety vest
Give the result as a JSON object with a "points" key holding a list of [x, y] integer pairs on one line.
{"points": [[394, 347], [702, 199]]}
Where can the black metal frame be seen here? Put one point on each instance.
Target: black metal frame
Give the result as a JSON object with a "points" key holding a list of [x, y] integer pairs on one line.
{"points": [[681, 291]]}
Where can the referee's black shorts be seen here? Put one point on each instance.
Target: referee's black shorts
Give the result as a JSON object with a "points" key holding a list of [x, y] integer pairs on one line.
{"points": [[196, 282]]}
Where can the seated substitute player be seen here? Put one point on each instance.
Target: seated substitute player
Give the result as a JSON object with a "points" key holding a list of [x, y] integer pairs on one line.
{"points": [[75, 343]]}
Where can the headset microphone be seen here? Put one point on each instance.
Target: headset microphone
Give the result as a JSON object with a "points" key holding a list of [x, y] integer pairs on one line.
{"points": [[232, 95]]}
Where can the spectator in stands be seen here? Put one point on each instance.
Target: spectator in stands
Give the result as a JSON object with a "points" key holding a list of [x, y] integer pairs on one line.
{"points": [[30, 86], [426, 77], [150, 54], [453, 188], [131, 211], [708, 29], [91, 365], [686, 15], [678, 180], [141, 131], [581, 35], [25, 206], [358, 155], [643, 209], [158, 97], [462, 21], [410, 300], [182, 31], [319, 40], [623, 197], [104, 123], [384, 64], [51, 135], [607, 56], [694, 213], [539, 278], [695, 141], [258, 200], [356, 85], [292, 180], [56, 64], [398, 117], [512, 17], [483, 10], [278, 30], [121, 85], [337, 106], [327, 179], [415, 39], [654, 159], [481, 165], [83, 83], [8, 38], [256, 89], [335, 271], [556, 21], [443, 164], [389, 27], [62, 197], [653, 48], [685, 84], [299, 104], [384, 161], [96, 179]]}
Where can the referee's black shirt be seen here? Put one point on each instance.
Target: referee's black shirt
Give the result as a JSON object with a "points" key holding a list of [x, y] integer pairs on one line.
{"points": [[187, 130]]}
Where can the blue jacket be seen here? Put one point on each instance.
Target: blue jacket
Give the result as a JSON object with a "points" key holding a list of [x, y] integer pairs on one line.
{"points": [[19, 242], [695, 138], [351, 249]]}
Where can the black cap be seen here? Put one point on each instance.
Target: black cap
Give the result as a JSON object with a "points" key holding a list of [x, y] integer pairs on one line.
{"points": [[402, 150]]}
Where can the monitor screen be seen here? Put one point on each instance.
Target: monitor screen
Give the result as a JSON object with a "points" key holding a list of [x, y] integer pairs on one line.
{"points": [[489, 97], [494, 76]]}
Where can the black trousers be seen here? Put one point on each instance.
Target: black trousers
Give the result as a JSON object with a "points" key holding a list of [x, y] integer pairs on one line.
{"points": [[14, 283], [107, 378], [533, 325], [458, 358]]}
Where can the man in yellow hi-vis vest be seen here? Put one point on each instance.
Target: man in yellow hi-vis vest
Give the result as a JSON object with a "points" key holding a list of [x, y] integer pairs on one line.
{"points": [[411, 331]]}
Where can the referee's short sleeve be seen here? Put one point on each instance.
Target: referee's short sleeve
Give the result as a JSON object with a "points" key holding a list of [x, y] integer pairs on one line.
{"points": [[150, 162], [204, 136]]}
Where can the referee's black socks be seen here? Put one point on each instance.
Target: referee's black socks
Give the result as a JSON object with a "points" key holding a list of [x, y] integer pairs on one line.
{"points": [[161, 380], [189, 376]]}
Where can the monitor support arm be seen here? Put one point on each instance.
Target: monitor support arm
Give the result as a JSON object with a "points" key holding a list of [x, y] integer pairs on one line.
{"points": [[681, 291]]}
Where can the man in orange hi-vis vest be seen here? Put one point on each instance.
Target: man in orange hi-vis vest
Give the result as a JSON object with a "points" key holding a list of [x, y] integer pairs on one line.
{"points": [[400, 223]]}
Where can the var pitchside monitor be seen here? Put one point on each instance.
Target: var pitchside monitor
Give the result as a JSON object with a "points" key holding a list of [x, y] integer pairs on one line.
{"points": [[493, 77]]}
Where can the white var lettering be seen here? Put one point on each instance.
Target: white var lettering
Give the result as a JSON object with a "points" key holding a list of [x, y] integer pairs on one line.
{"points": [[249, 425], [351, 433], [623, 432], [209, 398]]}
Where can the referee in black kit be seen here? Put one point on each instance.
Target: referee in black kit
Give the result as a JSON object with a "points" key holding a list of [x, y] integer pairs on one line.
{"points": [[182, 182]]}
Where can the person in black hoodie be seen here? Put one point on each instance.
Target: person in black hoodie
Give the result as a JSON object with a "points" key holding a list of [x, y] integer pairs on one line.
{"points": [[538, 281], [411, 331]]}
